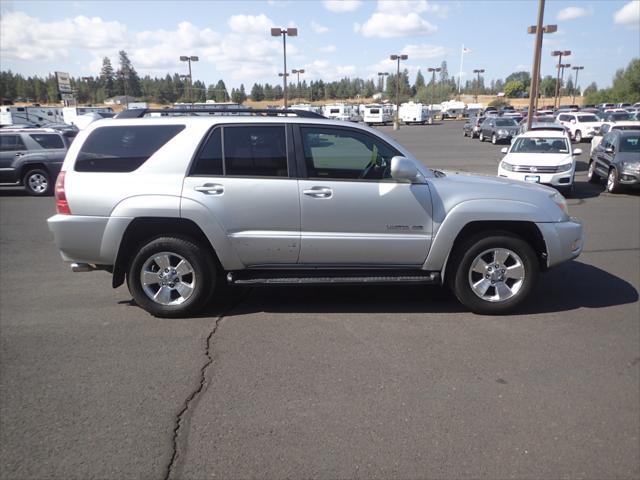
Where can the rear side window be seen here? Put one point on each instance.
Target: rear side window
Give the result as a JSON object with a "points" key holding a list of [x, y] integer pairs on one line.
{"points": [[48, 140], [255, 151], [123, 148], [11, 143]]}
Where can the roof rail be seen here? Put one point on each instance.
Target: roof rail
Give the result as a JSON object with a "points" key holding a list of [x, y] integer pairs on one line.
{"points": [[268, 112]]}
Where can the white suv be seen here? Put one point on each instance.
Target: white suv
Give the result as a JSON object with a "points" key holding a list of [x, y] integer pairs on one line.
{"points": [[580, 125]]}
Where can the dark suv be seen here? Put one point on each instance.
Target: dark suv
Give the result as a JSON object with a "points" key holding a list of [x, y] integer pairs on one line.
{"points": [[32, 157]]}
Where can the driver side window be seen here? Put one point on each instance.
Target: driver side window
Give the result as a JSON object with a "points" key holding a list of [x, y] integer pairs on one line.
{"points": [[346, 154]]}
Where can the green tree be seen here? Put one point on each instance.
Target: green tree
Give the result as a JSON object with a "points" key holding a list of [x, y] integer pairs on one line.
{"points": [[514, 89], [127, 74], [419, 81], [548, 86], [499, 103], [593, 87], [523, 77], [107, 77], [257, 92]]}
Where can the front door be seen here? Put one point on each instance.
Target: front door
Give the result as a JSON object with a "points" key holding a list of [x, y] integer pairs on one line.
{"points": [[241, 175], [11, 147], [352, 212]]}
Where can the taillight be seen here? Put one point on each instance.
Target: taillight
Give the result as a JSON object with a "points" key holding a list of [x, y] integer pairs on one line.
{"points": [[61, 199]]}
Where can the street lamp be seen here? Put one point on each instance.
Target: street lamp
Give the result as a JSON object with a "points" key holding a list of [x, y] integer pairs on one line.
{"points": [[292, 32], [298, 72], [561, 66], [575, 84], [538, 30], [396, 122], [125, 78], [381, 76], [189, 59], [433, 80], [559, 54], [479, 71]]}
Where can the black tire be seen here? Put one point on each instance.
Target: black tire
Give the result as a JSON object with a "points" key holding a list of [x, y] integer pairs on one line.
{"points": [[464, 132], [592, 174], [577, 136], [203, 276], [613, 182], [461, 262], [568, 191], [494, 139], [37, 182], [481, 137]]}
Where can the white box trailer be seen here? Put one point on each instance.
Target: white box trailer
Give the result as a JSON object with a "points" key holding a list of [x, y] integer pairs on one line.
{"points": [[70, 114], [411, 112], [307, 107], [341, 111], [32, 116], [378, 114]]}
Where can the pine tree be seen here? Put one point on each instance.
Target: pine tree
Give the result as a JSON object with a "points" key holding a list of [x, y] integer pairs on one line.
{"points": [[128, 74], [107, 77]]}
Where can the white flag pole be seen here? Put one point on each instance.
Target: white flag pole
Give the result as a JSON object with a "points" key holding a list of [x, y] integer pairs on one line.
{"points": [[460, 74]]}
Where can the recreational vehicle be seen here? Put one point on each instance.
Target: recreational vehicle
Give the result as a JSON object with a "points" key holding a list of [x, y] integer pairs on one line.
{"points": [[414, 113], [452, 109], [307, 107], [71, 114], [379, 114], [341, 111], [31, 116]]}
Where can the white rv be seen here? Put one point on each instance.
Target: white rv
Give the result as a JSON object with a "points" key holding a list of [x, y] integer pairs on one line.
{"points": [[34, 115], [306, 107], [452, 109], [71, 114], [377, 113], [414, 113], [341, 111]]}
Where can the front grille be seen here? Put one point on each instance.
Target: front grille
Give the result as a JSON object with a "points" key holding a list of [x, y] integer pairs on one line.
{"points": [[534, 169]]}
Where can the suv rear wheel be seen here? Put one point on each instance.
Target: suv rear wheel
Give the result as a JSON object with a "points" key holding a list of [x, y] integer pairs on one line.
{"points": [[494, 272], [172, 277], [592, 175], [37, 182]]}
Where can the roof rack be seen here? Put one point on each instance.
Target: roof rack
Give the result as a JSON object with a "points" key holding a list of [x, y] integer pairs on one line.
{"points": [[268, 112]]}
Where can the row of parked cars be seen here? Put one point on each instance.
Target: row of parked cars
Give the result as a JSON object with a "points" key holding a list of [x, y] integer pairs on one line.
{"points": [[545, 153]]}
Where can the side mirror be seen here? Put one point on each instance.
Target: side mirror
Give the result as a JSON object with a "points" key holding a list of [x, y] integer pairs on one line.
{"points": [[577, 151], [403, 169], [504, 150]]}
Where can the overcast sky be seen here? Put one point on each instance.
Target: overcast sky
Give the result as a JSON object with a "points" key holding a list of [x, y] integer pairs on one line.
{"points": [[336, 38]]}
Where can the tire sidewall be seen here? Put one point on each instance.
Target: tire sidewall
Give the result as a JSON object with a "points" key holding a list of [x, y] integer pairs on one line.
{"points": [[469, 250], [203, 267], [615, 188], [27, 186]]}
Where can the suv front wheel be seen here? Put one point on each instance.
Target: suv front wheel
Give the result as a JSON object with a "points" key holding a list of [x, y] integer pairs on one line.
{"points": [[172, 277], [493, 273], [37, 182]]}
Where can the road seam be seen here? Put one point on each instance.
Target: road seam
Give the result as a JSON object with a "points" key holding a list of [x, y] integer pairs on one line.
{"points": [[181, 417]]}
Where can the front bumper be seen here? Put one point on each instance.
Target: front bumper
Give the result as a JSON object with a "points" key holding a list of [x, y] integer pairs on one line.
{"points": [[629, 177], [564, 240], [561, 179]]}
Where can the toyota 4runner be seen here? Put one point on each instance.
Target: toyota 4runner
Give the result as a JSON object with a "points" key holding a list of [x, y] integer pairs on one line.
{"points": [[176, 205]]}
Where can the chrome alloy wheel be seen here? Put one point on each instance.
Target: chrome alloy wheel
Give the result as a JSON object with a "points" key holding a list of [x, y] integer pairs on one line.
{"points": [[496, 275], [38, 183], [167, 278]]}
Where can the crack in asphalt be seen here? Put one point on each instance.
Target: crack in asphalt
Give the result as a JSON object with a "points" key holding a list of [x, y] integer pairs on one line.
{"points": [[182, 416]]}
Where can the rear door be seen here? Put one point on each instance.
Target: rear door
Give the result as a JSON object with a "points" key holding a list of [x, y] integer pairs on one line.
{"points": [[11, 147], [245, 177], [352, 212]]}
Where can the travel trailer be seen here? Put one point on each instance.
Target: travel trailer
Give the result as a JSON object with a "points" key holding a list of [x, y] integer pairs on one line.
{"points": [[31, 116], [378, 114], [453, 109], [71, 114], [341, 111], [306, 107], [414, 113]]}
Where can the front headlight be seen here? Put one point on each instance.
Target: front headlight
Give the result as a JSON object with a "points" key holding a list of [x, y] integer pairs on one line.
{"points": [[560, 201], [630, 166], [564, 168], [506, 166], [502, 132]]}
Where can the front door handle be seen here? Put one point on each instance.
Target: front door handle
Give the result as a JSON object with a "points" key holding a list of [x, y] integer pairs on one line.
{"points": [[210, 189], [319, 192]]}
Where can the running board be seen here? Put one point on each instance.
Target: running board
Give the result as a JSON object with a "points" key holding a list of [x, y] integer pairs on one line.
{"points": [[331, 277]]}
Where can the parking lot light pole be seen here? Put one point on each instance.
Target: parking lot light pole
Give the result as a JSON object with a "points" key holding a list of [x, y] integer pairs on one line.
{"points": [[125, 77], [381, 76], [479, 71], [189, 59], [396, 121], [559, 54], [433, 89], [575, 84], [562, 66], [298, 72], [538, 30], [292, 32]]}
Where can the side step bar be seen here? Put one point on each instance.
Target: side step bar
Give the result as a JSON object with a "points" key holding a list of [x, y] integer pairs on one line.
{"points": [[331, 277]]}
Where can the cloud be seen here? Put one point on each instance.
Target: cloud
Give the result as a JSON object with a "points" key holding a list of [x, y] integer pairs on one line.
{"points": [[629, 15], [27, 38], [341, 6], [259, 24], [571, 13], [425, 51], [327, 49], [319, 29], [388, 25], [411, 6]]}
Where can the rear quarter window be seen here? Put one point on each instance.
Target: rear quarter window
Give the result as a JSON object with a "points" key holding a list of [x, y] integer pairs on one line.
{"points": [[48, 141], [123, 148]]}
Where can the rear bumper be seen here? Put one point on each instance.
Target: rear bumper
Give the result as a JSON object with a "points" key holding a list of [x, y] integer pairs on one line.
{"points": [[91, 240], [564, 240]]}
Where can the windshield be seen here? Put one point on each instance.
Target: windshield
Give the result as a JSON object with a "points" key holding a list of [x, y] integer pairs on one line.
{"points": [[544, 119], [506, 122], [540, 145], [621, 116], [587, 118], [630, 143]]}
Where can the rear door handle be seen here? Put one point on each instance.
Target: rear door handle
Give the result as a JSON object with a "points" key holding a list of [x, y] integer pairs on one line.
{"points": [[318, 192], [210, 189]]}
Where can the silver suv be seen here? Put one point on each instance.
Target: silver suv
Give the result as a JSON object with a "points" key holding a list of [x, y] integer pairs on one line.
{"points": [[176, 205]]}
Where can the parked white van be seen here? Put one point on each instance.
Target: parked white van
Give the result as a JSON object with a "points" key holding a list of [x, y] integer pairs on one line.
{"points": [[414, 113], [378, 114]]}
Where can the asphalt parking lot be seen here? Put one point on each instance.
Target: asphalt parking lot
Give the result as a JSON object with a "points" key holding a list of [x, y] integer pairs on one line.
{"points": [[350, 382]]}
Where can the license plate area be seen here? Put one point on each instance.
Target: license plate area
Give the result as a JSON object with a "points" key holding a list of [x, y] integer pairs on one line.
{"points": [[532, 178]]}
